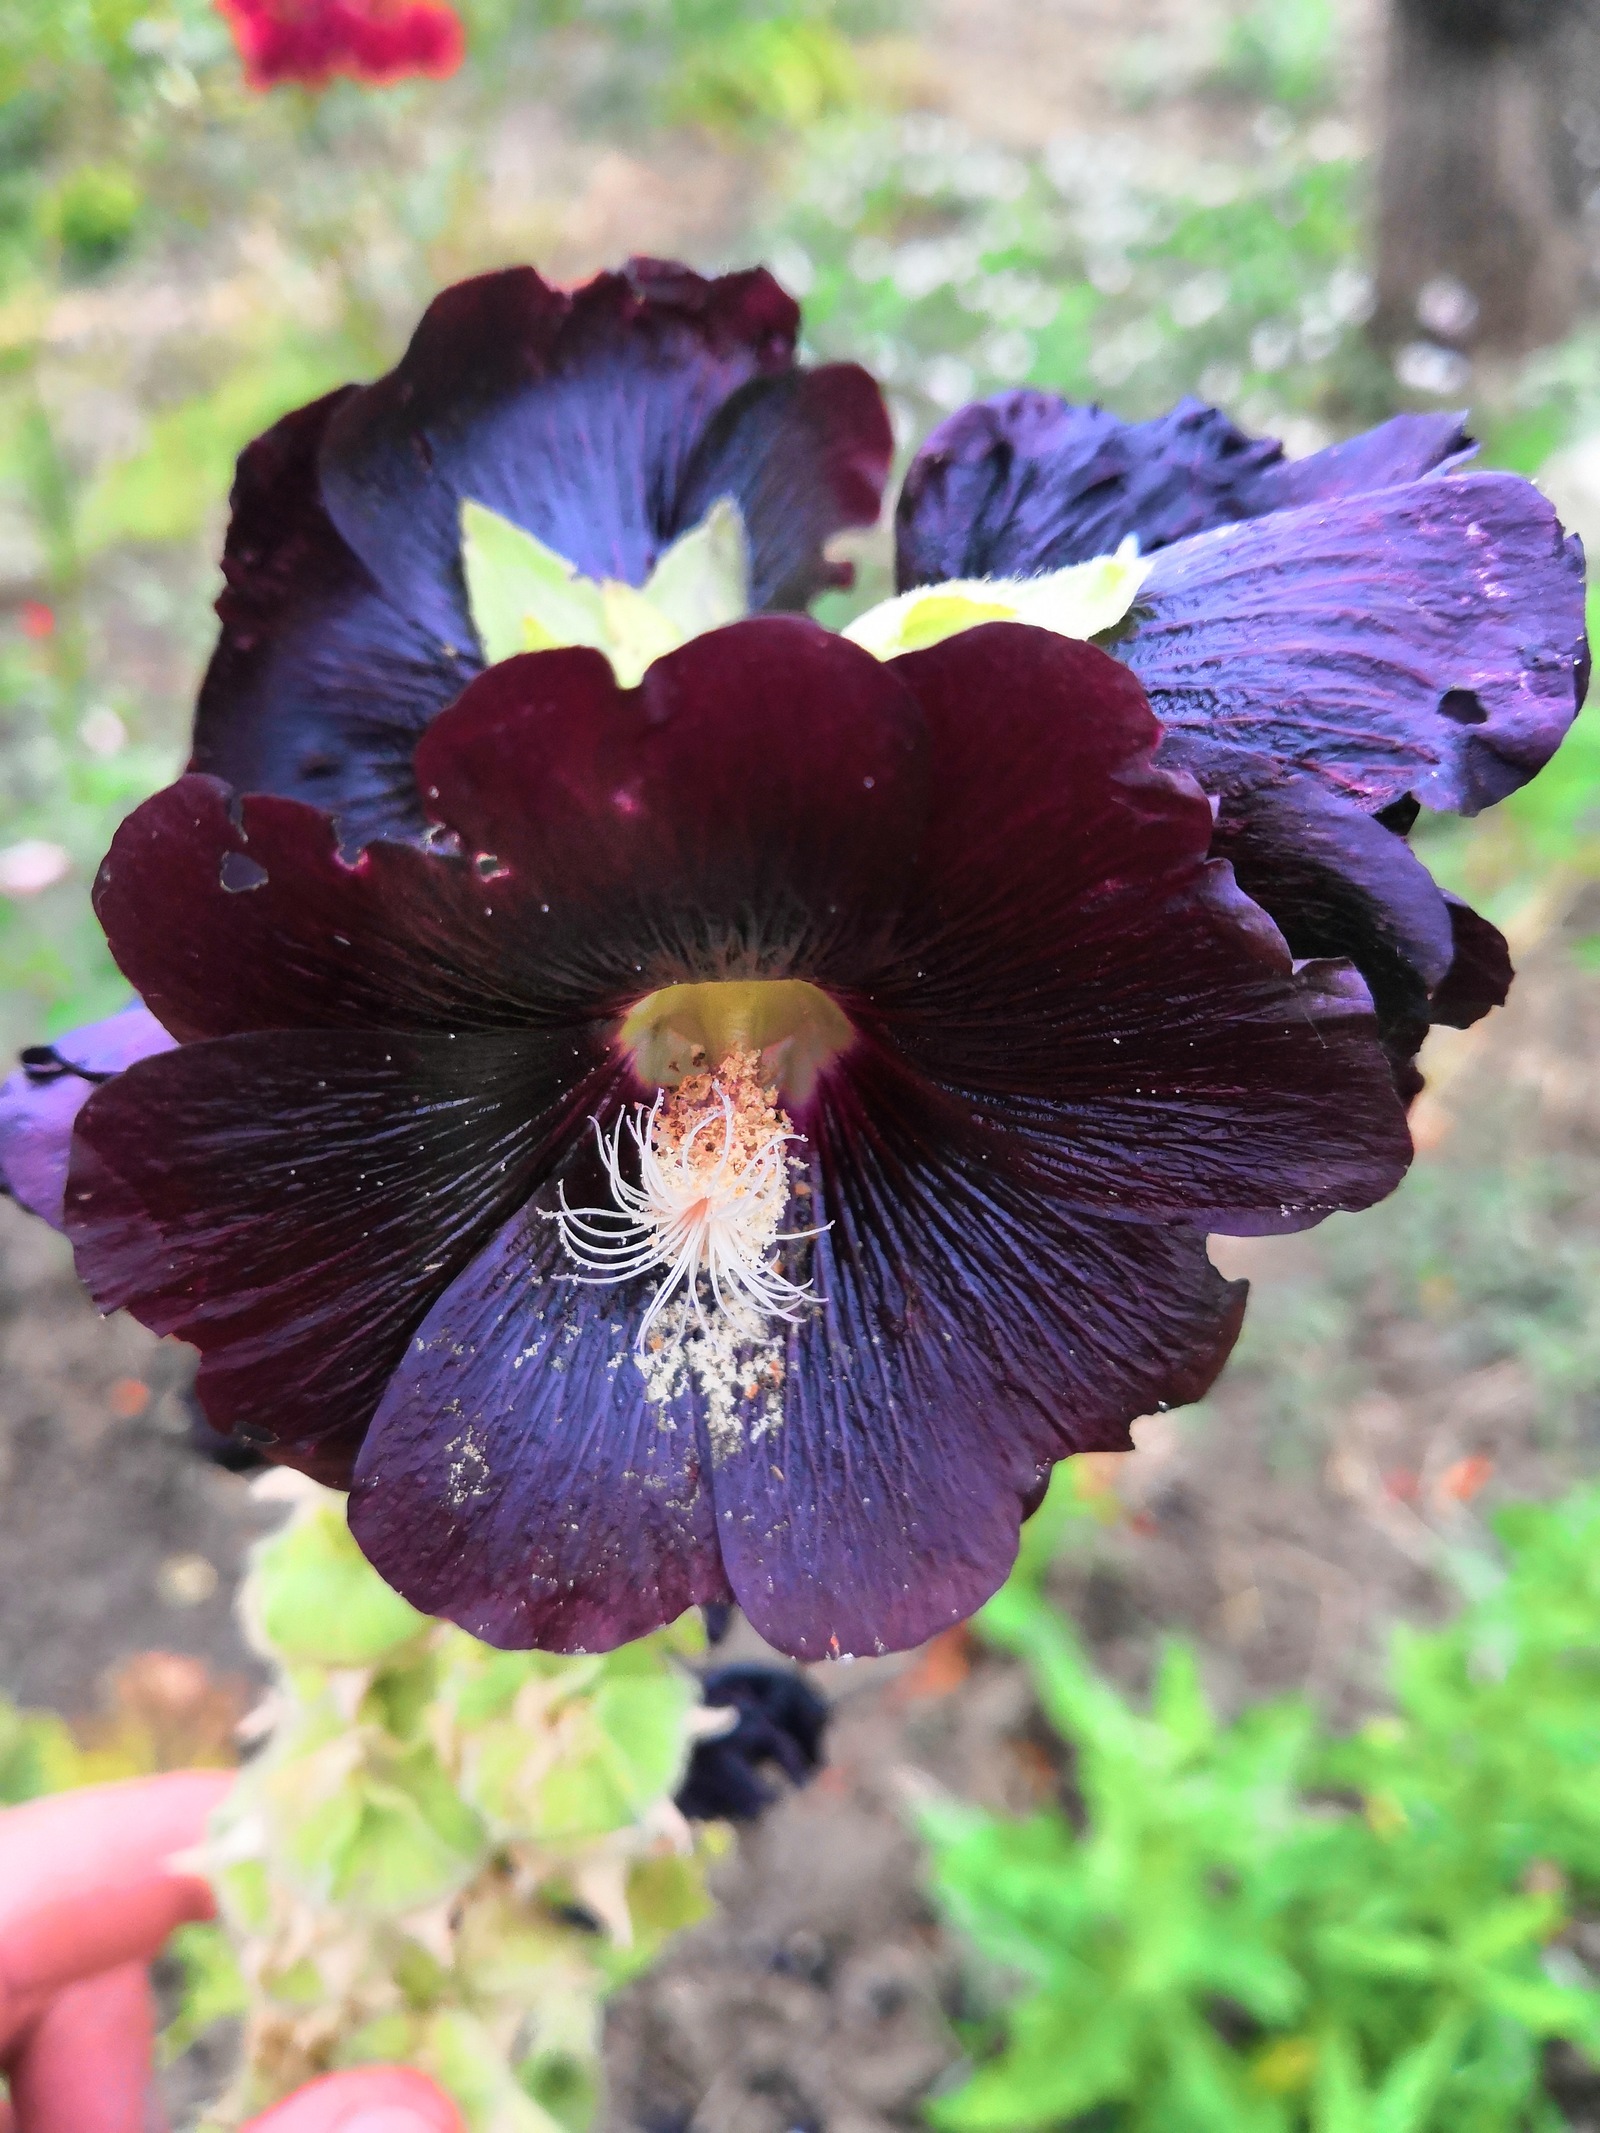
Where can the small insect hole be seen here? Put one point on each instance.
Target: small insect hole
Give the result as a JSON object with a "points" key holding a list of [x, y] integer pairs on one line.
{"points": [[1464, 706], [239, 872]]}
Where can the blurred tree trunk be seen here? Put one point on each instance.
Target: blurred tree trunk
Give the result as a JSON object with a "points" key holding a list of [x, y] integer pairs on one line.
{"points": [[1491, 149]]}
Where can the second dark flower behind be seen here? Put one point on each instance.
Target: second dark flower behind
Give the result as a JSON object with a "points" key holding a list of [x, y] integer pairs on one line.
{"points": [[606, 420], [1332, 643], [781, 1119]]}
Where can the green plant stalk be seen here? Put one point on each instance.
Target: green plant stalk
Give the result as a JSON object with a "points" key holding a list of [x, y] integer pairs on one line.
{"points": [[441, 1853]]}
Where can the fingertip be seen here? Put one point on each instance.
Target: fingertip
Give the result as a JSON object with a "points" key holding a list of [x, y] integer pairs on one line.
{"points": [[85, 2068], [368, 2099]]}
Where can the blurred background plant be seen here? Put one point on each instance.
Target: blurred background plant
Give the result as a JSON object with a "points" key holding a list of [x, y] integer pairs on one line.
{"points": [[1261, 1927]]}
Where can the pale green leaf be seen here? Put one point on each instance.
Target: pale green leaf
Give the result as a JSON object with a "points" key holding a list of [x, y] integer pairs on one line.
{"points": [[313, 1595], [703, 579], [1083, 601], [524, 597]]}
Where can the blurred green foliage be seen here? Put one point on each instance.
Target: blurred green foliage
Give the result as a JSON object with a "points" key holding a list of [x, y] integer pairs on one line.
{"points": [[1282, 51], [1260, 1928], [437, 1852], [1092, 269], [441, 1853]]}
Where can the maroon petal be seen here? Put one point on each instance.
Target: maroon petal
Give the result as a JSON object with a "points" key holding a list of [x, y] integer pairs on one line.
{"points": [[1426, 639], [320, 684], [1480, 970], [1026, 482], [225, 925], [750, 810], [753, 807], [40, 1101], [292, 1202], [516, 1479], [973, 1331], [1076, 967]]}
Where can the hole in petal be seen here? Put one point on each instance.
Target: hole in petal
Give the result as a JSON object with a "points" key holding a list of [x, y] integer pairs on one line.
{"points": [[239, 872], [795, 1027], [42, 1062], [1464, 706], [488, 867]]}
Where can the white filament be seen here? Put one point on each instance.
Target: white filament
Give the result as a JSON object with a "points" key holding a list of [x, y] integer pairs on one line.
{"points": [[692, 1212]]}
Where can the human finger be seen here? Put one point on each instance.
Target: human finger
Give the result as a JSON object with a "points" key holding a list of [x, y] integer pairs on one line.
{"points": [[84, 2066], [367, 2099], [87, 1883]]}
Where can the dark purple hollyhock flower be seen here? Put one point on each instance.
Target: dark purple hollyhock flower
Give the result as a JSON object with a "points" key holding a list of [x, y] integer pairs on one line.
{"points": [[780, 1724], [605, 420], [778, 1115], [1329, 641]]}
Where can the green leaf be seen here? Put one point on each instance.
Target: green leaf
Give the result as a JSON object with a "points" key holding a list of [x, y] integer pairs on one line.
{"points": [[37, 1755], [525, 597], [1404, 2102], [213, 1989], [1339, 2101], [463, 2057], [390, 1845], [703, 580], [1084, 601], [314, 1596]]}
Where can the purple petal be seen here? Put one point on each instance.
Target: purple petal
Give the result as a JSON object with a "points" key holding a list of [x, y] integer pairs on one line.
{"points": [[1027, 482], [1417, 640], [517, 1480], [1405, 448], [40, 1101], [578, 415], [1075, 966], [973, 1330], [606, 420], [1338, 883], [319, 685], [803, 455], [292, 1202]]}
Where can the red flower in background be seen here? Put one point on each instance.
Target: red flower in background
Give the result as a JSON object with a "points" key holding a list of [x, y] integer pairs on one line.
{"points": [[310, 41]]}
